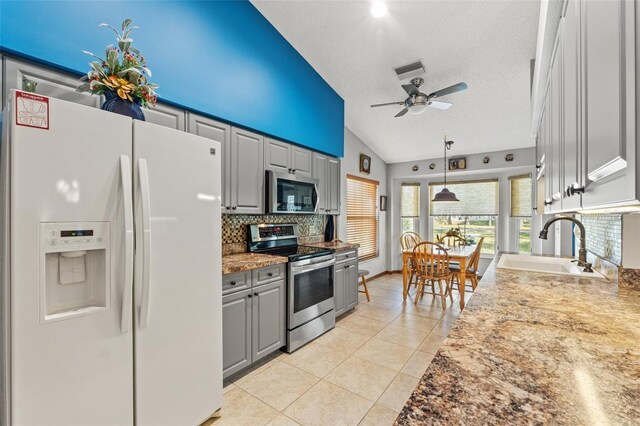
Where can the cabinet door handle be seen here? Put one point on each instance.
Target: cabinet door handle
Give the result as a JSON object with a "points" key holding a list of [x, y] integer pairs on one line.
{"points": [[228, 207], [249, 296], [548, 203], [233, 208], [232, 282], [270, 274], [256, 294], [294, 171]]}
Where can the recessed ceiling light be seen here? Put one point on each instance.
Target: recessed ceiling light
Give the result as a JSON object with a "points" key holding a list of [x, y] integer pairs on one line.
{"points": [[378, 9]]}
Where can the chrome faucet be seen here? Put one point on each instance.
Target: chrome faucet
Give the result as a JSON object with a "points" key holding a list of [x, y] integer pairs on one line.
{"points": [[582, 253]]}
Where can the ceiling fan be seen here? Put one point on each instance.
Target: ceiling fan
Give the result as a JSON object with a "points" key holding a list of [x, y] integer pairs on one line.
{"points": [[417, 102]]}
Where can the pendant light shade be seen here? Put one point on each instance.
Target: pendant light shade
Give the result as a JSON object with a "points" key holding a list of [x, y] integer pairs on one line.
{"points": [[445, 196]]}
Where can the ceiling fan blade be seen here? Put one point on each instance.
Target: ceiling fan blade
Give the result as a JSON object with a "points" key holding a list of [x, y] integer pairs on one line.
{"points": [[449, 90], [439, 104], [401, 113], [410, 89], [388, 103]]}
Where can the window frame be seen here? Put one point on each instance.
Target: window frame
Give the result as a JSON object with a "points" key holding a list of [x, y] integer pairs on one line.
{"points": [[376, 217]]}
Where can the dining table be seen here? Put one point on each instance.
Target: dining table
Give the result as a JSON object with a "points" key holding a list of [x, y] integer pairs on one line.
{"points": [[460, 254]]}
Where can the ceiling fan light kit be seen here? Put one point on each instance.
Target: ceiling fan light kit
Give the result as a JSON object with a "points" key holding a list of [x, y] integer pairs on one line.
{"points": [[417, 102], [445, 196]]}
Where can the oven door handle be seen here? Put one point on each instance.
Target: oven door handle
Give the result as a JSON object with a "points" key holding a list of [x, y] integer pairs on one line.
{"points": [[312, 266]]}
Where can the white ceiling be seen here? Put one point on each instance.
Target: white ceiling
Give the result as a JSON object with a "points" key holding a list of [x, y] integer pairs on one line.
{"points": [[487, 44]]}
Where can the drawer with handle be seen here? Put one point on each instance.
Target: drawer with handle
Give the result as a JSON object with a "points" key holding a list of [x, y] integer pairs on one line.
{"points": [[236, 282], [268, 274], [346, 256]]}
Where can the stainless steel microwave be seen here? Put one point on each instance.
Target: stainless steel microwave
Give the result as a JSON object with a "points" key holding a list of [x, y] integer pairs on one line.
{"points": [[291, 194]]}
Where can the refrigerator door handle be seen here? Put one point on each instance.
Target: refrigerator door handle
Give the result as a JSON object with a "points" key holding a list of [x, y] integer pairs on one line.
{"points": [[127, 295], [146, 241]]}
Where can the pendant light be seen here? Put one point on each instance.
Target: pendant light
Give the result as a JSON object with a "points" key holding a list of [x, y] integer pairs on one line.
{"points": [[445, 196]]}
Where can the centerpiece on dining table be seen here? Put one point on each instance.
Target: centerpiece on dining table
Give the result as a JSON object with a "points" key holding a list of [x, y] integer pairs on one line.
{"points": [[121, 76]]}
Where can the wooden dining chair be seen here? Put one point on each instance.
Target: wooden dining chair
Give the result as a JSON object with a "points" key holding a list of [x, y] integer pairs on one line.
{"points": [[452, 241], [408, 240], [471, 272], [431, 263]]}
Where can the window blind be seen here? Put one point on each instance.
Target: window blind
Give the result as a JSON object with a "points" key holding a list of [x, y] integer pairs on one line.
{"points": [[410, 204], [362, 215], [477, 198], [521, 203]]}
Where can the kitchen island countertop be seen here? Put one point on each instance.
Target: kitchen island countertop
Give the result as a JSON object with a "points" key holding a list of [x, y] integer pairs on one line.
{"points": [[534, 348], [245, 261]]}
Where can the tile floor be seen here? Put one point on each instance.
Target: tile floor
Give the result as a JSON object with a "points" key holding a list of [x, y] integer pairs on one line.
{"points": [[360, 373]]}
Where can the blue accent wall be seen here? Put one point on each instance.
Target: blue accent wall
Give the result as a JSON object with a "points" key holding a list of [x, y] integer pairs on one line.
{"points": [[221, 58]]}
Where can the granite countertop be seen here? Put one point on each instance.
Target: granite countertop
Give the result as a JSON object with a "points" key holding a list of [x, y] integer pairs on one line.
{"points": [[337, 246], [533, 348], [246, 261]]}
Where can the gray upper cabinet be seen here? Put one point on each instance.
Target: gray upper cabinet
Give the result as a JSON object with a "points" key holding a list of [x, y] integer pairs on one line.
{"points": [[333, 186], [268, 318], [555, 93], [609, 95], [245, 173], [220, 132], [50, 83], [282, 157], [236, 331], [571, 152], [321, 172], [60, 85], [327, 170], [165, 115]]}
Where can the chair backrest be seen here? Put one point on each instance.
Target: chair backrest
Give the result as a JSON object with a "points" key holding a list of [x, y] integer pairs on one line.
{"points": [[431, 260], [409, 240], [452, 241], [475, 257]]}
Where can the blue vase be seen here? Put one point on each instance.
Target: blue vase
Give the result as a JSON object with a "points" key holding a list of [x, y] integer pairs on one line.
{"points": [[115, 103], [329, 229]]}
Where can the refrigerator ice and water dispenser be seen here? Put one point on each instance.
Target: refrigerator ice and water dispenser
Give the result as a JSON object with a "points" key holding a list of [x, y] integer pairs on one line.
{"points": [[74, 269]]}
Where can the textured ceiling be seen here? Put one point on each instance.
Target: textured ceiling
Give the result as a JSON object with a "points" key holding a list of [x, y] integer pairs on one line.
{"points": [[487, 44]]}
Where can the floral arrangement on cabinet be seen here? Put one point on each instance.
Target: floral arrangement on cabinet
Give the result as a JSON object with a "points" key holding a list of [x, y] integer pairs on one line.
{"points": [[122, 71]]}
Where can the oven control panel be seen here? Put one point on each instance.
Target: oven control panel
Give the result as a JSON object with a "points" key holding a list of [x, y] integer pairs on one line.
{"points": [[264, 232]]}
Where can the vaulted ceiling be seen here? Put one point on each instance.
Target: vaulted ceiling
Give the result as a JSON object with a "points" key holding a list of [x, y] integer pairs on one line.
{"points": [[487, 44]]}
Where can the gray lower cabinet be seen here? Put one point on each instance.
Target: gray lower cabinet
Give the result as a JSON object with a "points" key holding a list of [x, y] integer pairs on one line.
{"points": [[253, 316], [345, 284], [236, 331], [268, 319]]}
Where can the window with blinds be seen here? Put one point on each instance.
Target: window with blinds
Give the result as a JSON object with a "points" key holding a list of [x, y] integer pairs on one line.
{"points": [[521, 193], [477, 198], [362, 215], [410, 207], [475, 215]]}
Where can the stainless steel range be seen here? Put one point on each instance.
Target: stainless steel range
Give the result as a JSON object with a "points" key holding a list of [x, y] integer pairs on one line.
{"points": [[310, 304]]}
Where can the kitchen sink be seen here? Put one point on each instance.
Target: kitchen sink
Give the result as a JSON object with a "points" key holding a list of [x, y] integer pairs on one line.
{"points": [[549, 265]]}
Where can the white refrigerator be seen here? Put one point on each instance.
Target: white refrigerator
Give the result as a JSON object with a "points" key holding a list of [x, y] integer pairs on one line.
{"points": [[110, 290]]}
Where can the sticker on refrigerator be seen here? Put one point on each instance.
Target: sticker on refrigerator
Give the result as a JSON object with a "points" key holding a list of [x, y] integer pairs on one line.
{"points": [[32, 110]]}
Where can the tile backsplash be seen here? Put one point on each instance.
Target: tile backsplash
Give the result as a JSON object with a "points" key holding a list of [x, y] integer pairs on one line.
{"points": [[604, 236], [234, 228]]}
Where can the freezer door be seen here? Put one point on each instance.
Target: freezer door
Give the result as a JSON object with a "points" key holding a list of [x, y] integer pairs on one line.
{"points": [[70, 363], [178, 279]]}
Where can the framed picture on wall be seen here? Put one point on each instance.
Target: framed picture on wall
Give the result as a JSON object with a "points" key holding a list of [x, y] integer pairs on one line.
{"points": [[459, 163], [383, 203], [365, 164]]}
